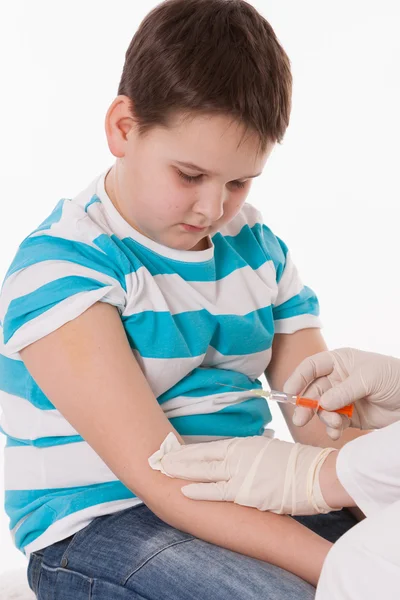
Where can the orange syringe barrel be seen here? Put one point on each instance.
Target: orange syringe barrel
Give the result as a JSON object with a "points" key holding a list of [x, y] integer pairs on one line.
{"points": [[314, 404], [291, 399]]}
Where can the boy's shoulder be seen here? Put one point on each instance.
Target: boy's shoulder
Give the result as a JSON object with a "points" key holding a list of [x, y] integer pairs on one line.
{"points": [[76, 231], [73, 223], [80, 218]]}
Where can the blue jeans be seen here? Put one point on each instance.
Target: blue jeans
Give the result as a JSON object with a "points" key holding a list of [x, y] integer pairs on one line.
{"points": [[132, 554]]}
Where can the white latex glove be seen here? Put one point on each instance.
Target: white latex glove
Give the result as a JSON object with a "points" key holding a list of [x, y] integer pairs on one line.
{"points": [[264, 473], [346, 376]]}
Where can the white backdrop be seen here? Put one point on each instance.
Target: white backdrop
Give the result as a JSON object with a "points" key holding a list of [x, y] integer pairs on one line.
{"points": [[331, 191]]}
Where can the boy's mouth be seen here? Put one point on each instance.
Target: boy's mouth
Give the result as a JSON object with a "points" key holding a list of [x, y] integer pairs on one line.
{"points": [[193, 227]]}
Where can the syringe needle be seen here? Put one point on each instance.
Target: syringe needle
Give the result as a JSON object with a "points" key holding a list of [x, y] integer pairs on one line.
{"points": [[284, 398]]}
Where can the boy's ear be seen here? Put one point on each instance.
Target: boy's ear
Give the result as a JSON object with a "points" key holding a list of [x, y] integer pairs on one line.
{"points": [[118, 123]]}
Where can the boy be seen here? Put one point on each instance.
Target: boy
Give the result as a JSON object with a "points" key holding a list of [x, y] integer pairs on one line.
{"points": [[128, 307]]}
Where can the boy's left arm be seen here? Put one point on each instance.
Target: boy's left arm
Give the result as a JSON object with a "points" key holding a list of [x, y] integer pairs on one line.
{"points": [[288, 350]]}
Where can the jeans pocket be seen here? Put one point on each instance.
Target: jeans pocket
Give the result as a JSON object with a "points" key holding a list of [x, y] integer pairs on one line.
{"points": [[34, 571], [63, 584]]}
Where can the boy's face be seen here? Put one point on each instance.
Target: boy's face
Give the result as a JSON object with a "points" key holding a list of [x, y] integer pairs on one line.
{"points": [[156, 188]]}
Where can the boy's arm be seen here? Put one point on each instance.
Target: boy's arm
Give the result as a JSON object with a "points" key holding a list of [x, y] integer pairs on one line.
{"points": [[88, 371], [288, 350]]}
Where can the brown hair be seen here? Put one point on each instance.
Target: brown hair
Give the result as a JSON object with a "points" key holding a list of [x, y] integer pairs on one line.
{"points": [[209, 56]]}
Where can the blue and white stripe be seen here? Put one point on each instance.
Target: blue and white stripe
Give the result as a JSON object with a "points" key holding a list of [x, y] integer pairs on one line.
{"points": [[194, 320]]}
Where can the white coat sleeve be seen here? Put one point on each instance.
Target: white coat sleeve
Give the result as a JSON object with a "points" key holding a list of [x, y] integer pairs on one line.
{"points": [[369, 469]]}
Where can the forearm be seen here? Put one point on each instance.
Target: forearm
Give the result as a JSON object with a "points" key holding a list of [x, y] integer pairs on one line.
{"points": [[332, 490], [266, 536], [351, 433]]}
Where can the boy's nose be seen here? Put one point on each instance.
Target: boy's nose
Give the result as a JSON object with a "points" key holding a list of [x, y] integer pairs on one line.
{"points": [[211, 205]]}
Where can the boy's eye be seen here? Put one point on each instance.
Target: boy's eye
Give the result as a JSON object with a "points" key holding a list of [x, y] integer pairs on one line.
{"points": [[237, 184], [189, 178], [197, 178]]}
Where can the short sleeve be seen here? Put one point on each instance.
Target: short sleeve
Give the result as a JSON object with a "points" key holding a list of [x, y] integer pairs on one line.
{"points": [[53, 280], [295, 306]]}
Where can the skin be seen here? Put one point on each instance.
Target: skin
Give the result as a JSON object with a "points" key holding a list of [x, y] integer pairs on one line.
{"points": [[83, 360], [332, 490], [148, 183]]}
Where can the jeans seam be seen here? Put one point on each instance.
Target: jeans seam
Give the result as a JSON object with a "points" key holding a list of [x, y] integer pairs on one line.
{"points": [[153, 556]]}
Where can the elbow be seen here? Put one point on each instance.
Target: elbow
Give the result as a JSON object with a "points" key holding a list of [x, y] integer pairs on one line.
{"points": [[165, 499]]}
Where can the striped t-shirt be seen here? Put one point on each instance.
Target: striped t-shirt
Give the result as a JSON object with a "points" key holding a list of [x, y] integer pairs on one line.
{"points": [[194, 320]]}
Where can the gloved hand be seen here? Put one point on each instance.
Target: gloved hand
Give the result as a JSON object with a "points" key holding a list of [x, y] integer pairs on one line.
{"points": [[261, 472], [346, 376]]}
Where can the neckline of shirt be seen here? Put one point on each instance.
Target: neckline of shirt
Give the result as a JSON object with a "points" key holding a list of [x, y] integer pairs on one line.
{"points": [[127, 230]]}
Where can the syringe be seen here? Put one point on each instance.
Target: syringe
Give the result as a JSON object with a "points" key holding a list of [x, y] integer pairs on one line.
{"points": [[291, 399]]}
